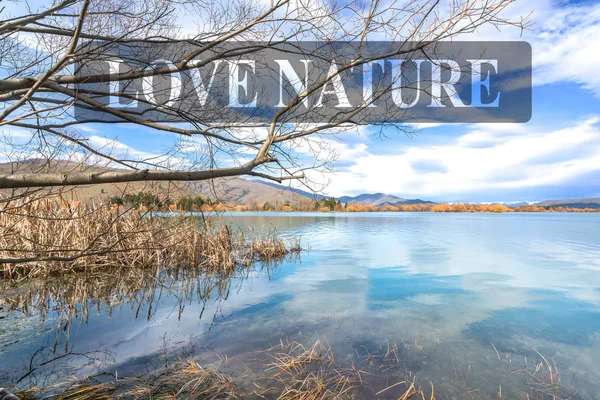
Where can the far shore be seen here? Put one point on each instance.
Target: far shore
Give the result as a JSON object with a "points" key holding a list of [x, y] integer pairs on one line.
{"points": [[359, 208]]}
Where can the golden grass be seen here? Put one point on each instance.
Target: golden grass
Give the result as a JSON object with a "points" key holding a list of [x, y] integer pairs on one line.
{"points": [[187, 380], [45, 237], [543, 380], [86, 390], [293, 371], [184, 380], [298, 372], [307, 373]]}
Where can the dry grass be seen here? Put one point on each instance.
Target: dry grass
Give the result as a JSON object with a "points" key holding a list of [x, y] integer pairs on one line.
{"points": [[306, 373], [289, 371], [298, 372], [86, 390], [543, 380], [46, 237], [293, 371], [186, 380]]}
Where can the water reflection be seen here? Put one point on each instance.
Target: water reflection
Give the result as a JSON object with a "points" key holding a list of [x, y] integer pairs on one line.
{"points": [[56, 324], [455, 287]]}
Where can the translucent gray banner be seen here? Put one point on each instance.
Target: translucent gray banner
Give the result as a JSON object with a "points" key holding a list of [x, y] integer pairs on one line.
{"points": [[238, 83]]}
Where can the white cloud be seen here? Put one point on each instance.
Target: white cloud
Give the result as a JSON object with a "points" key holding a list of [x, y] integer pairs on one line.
{"points": [[16, 134], [563, 37], [120, 150], [425, 125], [566, 48], [510, 159], [87, 129]]}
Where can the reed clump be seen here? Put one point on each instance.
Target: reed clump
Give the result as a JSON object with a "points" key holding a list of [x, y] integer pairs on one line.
{"points": [[86, 390], [293, 371], [46, 237], [187, 380], [286, 371], [307, 373], [298, 372], [543, 380], [183, 380]]}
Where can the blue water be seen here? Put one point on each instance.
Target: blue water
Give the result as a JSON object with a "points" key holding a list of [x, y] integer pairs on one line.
{"points": [[461, 290]]}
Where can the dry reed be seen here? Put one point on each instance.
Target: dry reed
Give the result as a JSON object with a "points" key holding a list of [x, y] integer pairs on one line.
{"points": [[289, 371], [307, 373], [187, 380], [184, 380], [543, 380], [298, 372], [45, 237], [293, 371]]}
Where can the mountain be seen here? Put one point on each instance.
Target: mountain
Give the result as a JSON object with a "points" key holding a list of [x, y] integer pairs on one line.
{"points": [[99, 192], [380, 199], [573, 203], [246, 191], [231, 190], [375, 199], [300, 192], [515, 203], [235, 190]]}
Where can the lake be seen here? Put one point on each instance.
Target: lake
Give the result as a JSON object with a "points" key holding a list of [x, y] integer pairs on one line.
{"points": [[469, 297]]}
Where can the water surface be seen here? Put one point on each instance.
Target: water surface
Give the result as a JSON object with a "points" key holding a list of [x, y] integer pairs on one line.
{"points": [[462, 289]]}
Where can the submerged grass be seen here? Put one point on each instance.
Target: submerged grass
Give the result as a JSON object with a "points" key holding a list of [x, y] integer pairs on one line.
{"points": [[46, 237], [288, 371], [307, 373], [185, 380], [543, 380], [293, 371]]}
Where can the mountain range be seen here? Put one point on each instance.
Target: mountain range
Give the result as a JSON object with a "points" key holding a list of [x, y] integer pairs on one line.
{"points": [[375, 199], [381, 199], [235, 190], [573, 203]]}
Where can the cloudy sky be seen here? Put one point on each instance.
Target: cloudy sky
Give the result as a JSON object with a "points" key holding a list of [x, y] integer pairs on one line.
{"points": [[554, 155]]}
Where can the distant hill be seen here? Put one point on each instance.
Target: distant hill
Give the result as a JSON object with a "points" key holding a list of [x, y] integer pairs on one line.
{"points": [[573, 203], [300, 192], [235, 190], [245, 191], [375, 199], [99, 192], [231, 190], [380, 199], [516, 203]]}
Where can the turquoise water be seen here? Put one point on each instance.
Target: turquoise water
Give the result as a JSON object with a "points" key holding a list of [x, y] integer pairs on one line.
{"points": [[459, 290]]}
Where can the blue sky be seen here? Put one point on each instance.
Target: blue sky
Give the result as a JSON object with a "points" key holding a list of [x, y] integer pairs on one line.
{"points": [[555, 155]]}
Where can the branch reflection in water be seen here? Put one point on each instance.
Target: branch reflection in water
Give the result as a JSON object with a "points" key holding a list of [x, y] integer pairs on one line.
{"points": [[57, 307]]}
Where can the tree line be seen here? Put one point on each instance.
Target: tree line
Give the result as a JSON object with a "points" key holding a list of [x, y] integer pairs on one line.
{"points": [[328, 204]]}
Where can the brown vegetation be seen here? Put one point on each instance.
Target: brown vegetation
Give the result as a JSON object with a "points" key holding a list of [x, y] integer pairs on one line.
{"points": [[48, 237], [331, 204], [185, 380], [307, 206], [311, 373], [424, 207], [293, 371]]}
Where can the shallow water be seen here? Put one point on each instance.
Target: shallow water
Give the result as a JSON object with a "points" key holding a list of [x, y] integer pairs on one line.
{"points": [[459, 290]]}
